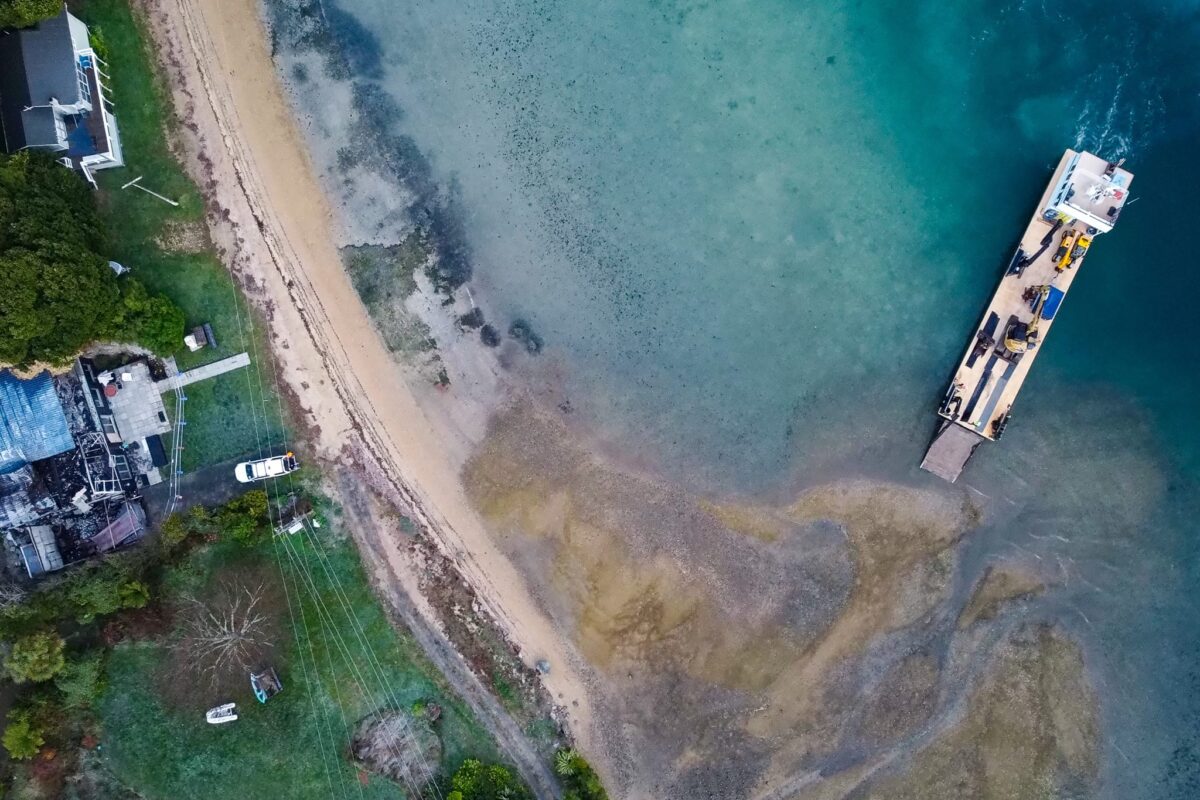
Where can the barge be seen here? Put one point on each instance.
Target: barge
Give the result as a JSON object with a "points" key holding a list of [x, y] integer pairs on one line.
{"points": [[1083, 199]]}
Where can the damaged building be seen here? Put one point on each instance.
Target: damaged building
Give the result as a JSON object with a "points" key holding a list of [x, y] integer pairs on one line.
{"points": [[76, 450]]}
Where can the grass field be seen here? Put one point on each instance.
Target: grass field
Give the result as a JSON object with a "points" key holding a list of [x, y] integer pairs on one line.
{"points": [[168, 249], [154, 734]]}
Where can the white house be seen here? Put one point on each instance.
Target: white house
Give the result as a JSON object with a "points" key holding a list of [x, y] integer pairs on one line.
{"points": [[53, 97]]}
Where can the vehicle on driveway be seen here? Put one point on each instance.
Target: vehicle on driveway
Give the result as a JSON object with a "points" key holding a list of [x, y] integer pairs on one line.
{"points": [[264, 468]]}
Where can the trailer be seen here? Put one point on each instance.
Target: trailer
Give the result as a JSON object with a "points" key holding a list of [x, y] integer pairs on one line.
{"points": [[266, 684]]}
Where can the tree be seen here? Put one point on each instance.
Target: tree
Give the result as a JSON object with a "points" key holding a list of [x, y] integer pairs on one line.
{"points": [[245, 518], [57, 293], [22, 738], [150, 320], [105, 589], [173, 531], [36, 657], [11, 595], [22, 13], [228, 635], [81, 681]]}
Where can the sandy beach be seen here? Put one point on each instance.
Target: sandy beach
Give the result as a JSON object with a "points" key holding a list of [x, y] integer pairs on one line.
{"points": [[273, 226]]}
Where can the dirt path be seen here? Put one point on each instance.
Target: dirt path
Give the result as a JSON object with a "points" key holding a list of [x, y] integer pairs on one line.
{"points": [[374, 543], [273, 227]]}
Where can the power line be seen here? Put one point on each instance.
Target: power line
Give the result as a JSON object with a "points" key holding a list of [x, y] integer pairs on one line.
{"points": [[332, 625], [245, 331], [357, 675], [304, 670], [375, 663]]}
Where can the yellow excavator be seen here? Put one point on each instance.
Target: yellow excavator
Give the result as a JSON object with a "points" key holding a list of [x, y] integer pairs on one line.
{"points": [[1021, 335], [1074, 246], [1062, 256]]}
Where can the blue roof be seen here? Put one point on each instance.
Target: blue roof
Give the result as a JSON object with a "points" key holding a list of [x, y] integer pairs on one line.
{"points": [[32, 423]]}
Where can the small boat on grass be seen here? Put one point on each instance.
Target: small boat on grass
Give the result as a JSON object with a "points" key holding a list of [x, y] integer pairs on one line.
{"points": [[219, 715]]}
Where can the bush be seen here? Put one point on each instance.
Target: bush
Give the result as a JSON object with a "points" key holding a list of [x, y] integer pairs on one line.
{"points": [[36, 657], [22, 13], [83, 594], [578, 777], [150, 320], [476, 781], [173, 531], [105, 589], [98, 42], [134, 594], [200, 521], [22, 739], [81, 681], [245, 518]]}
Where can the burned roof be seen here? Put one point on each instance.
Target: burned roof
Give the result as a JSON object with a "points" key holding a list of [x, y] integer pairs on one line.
{"points": [[39, 549], [126, 525], [32, 423], [23, 498]]}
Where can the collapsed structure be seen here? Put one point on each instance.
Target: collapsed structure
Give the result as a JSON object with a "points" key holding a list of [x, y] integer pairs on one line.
{"points": [[76, 451]]}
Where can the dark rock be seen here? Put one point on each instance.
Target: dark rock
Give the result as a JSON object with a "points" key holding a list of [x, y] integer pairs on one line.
{"points": [[472, 319], [523, 333]]}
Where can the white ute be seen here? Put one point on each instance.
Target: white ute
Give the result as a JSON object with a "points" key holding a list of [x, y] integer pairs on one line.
{"points": [[251, 471]]}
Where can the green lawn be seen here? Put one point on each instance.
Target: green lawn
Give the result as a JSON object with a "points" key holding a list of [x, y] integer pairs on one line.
{"points": [[171, 752], [167, 248], [219, 423]]}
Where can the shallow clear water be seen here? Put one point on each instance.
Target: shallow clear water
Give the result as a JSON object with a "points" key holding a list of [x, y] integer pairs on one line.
{"points": [[757, 235]]}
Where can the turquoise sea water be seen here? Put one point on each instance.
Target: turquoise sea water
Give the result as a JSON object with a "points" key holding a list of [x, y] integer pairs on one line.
{"points": [[757, 235]]}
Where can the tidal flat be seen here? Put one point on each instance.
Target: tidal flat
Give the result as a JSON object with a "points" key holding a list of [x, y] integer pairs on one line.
{"points": [[749, 247]]}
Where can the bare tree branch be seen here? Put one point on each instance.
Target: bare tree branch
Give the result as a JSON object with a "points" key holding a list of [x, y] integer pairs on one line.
{"points": [[227, 635]]}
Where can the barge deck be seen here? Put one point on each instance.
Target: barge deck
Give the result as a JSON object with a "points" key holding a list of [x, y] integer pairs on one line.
{"points": [[1083, 199]]}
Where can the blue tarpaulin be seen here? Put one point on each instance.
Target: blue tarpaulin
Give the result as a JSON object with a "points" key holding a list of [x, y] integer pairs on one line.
{"points": [[32, 423], [1053, 301]]}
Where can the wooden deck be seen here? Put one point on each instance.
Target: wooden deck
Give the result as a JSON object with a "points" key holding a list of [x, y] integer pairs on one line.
{"points": [[95, 121], [203, 373]]}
